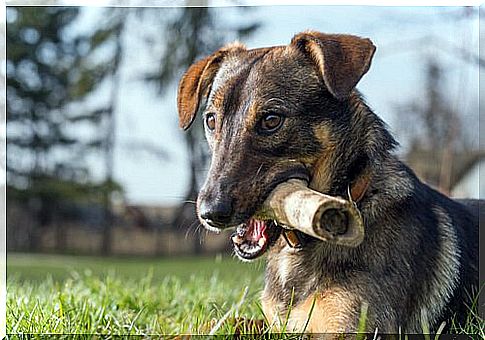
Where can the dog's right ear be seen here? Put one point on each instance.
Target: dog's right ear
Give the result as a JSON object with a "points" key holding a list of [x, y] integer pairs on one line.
{"points": [[196, 84]]}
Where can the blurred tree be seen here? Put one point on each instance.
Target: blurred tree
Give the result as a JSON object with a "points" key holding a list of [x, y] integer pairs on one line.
{"points": [[434, 112], [439, 148], [48, 71], [439, 127], [188, 35], [111, 32]]}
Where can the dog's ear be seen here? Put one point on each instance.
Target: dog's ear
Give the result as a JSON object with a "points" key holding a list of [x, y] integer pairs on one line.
{"points": [[196, 84], [342, 59]]}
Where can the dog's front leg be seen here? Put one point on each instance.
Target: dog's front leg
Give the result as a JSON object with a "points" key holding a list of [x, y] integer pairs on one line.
{"points": [[334, 311]]}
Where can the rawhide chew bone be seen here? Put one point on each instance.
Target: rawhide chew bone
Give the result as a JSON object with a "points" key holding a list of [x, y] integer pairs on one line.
{"points": [[332, 219]]}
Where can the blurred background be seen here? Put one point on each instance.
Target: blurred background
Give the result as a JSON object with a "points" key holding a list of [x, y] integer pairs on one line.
{"points": [[96, 163]]}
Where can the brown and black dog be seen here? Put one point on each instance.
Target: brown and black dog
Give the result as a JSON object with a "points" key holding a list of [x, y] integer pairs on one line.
{"points": [[282, 112]]}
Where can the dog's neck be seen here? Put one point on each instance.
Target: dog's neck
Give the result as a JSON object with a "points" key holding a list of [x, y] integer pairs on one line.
{"points": [[340, 165], [355, 182]]}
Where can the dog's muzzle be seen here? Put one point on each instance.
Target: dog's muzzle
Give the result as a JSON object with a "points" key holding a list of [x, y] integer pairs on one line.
{"points": [[217, 214]]}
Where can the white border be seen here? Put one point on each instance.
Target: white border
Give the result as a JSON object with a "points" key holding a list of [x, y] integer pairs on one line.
{"points": [[153, 3], [3, 184], [214, 3]]}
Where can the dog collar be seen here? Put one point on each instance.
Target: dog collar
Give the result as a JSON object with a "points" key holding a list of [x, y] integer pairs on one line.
{"points": [[359, 187], [296, 239]]}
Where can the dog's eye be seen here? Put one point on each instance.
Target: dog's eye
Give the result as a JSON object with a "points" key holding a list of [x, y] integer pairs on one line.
{"points": [[210, 121], [271, 122]]}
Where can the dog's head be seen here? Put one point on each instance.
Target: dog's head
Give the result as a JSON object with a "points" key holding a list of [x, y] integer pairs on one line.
{"points": [[271, 114]]}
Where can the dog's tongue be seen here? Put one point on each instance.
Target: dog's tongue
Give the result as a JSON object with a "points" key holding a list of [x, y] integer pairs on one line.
{"points": [[256, 231]]}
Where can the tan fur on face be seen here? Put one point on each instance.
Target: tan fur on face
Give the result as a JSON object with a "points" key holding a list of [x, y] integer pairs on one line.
{"points": [[251, 118], [322, 168]]}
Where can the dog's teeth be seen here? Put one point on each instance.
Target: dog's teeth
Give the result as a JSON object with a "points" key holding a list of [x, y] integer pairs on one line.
{"points": [[261, 241], [237, 240]]}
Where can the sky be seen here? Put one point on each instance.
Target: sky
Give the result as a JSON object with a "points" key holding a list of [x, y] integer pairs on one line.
{"points": [[404, 36]]}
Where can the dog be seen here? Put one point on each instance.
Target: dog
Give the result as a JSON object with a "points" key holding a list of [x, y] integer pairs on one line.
{"points": [[293, 112]]}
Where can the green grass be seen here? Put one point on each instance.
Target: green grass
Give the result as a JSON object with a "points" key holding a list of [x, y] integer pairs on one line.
{"points": [[37, 267], [126, 296], [64, 294]]}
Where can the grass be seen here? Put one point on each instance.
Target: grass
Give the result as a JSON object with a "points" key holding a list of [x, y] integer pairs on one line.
{"points": [[39, 266], [64, 294], [86, 295]]}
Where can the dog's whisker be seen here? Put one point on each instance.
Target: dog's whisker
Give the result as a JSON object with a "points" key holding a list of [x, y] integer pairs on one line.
{"points": [[191, 202], [193, 227], [259, 169]]}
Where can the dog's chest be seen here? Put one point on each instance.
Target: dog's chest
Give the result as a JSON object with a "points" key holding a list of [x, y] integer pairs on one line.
{"points": [[294, 278], [290, 275]]}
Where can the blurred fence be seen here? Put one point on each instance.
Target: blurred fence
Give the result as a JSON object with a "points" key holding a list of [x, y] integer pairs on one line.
{"points": [[137, 231], [126, 241]]}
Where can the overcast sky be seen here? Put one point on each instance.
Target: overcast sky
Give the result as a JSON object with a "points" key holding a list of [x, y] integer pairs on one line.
{"points": [[396, 76]]}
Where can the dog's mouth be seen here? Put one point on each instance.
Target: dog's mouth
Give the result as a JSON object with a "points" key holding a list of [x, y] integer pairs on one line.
{"points": [[253, 238]]}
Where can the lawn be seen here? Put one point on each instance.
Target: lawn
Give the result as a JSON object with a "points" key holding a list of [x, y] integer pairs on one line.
{"points": [[127, 296], [67, 294]]}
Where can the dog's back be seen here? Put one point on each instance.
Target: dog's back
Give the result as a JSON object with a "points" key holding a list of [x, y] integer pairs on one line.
{"points": [[475, 206]]}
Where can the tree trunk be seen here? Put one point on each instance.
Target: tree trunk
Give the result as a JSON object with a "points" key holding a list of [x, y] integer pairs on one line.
{"points": [[110, 148], [60, 234]]}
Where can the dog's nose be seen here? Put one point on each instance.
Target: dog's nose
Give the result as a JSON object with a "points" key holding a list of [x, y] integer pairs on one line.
{"points": [[216, 213]]}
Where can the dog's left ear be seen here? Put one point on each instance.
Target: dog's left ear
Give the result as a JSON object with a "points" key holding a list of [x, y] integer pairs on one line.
{"points": [[342, 59]]}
